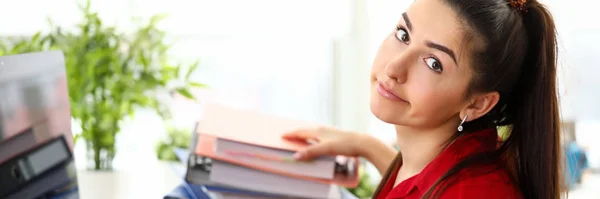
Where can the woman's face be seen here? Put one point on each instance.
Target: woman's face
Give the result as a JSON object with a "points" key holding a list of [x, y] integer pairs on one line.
{"points": [[420, 74]]}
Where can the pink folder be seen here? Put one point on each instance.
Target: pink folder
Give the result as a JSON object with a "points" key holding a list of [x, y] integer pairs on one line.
{"points": [[259, 129]]}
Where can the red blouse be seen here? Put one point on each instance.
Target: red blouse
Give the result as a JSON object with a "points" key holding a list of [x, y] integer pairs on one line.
{"points": [[477, 182]]}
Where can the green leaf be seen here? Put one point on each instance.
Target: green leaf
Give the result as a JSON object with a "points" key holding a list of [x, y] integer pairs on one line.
{"points": [[191, 70], [197, 85], [185, 93], [35, 37], [143, 60], [156, 18], [75, 138]]}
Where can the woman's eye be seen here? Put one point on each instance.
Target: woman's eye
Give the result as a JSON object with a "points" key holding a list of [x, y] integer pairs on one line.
{"points": [[402, 35], [434, 64]]}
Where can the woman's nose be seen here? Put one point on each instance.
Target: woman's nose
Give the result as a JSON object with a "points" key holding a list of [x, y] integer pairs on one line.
{"points": [[399, 66]]}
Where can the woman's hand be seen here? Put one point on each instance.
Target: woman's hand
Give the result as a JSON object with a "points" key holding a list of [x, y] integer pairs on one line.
{"points": [[331, 141], [328, 141]]}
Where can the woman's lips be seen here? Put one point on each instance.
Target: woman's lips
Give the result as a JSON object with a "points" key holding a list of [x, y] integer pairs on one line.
{"points": [[386, 93], [383, 91]]}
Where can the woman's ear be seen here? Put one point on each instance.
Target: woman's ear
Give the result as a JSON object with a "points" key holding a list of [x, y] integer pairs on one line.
{"points": [[480, 105]]}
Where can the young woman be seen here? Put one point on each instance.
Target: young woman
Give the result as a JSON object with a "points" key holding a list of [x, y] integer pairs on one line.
{"points": [[446, 77]]}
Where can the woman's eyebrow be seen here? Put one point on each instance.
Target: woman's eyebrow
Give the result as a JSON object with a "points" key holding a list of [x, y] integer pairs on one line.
{"points": [[443, 49], [429, 43], [407, 21]]}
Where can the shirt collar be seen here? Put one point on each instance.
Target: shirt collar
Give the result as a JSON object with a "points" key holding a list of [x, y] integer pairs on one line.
{"points": [[465, 145]]}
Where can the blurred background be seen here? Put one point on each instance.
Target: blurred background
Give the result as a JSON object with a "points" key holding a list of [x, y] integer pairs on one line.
{"points": [[305, 59]]}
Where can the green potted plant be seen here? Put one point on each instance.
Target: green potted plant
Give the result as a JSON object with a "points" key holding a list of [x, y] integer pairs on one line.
{"points": [[176, 137], [365, 188], [110, 74]]}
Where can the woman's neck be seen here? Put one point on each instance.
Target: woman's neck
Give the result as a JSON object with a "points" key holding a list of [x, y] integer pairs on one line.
{"points": [[419, 147]]}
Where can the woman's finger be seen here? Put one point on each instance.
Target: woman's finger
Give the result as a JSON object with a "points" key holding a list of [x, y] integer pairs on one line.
{"points": [[314, 151], [302, 134]]}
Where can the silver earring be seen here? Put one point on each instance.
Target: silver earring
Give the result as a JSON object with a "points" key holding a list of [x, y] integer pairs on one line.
{"points": [[460, 127]]}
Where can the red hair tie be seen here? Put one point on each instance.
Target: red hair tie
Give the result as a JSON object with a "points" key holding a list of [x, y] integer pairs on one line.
{"points": [[520, 5]]}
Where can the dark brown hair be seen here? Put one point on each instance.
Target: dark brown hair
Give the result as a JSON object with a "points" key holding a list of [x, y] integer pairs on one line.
{"points": [[513, 52]]}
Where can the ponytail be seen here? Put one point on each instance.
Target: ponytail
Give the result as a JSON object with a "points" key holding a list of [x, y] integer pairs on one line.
{"points": [[534, 143], [396, 163]]}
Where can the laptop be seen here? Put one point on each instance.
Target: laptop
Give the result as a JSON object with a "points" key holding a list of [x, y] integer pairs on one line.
{"points": [[36, 142]]}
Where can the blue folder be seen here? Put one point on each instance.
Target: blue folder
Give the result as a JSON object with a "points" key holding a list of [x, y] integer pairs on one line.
{"points": [[194, 191], [183, 192], [191, 191]]}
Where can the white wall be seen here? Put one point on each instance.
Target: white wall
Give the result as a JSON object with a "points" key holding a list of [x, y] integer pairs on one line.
{"points": [[279, 54], [577, 23]]}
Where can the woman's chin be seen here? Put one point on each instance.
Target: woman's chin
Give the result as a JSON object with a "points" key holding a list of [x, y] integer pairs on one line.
{"points": [[386, 114]]}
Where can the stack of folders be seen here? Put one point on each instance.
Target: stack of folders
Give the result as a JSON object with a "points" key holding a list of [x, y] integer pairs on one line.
{"points": [[30, 168], [241, 154]]}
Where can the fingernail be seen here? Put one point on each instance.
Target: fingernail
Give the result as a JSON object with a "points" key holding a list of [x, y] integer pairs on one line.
{"points": [[298, 155]]}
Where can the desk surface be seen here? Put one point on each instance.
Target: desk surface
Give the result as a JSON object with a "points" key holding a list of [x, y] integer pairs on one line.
{"points": [[152, 181]]}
